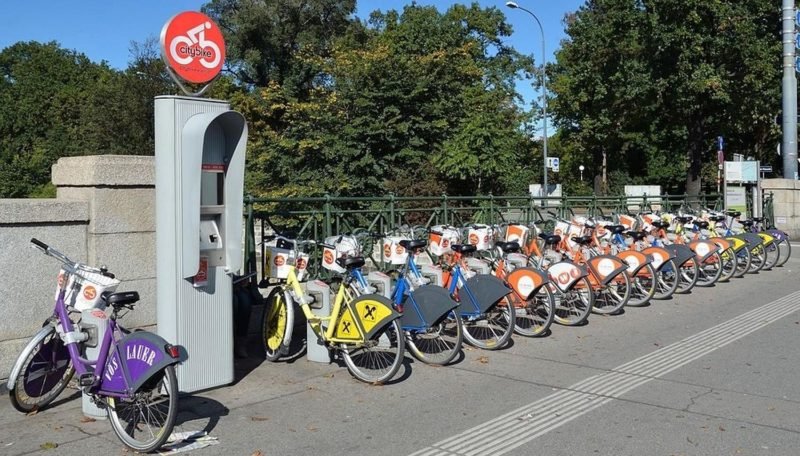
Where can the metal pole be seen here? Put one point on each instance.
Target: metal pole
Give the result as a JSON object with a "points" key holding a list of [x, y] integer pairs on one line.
{"points": [[513, 5], [789, 92]]}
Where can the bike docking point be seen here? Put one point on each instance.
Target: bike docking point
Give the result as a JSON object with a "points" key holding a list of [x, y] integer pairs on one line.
{"points": [[316, 350]]}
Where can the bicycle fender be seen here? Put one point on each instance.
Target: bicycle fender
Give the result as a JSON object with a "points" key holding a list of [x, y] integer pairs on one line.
{"points": [[565, 274], [486, 289], [779, 235], [635, 260], [145, 355], [753, 240], [526, 281], [373, 311], [703, 249], [606, 267], [766, 238], [738, 244], [722, 244], [35, 340], [426, 306], [660, 256], [682, 253]]}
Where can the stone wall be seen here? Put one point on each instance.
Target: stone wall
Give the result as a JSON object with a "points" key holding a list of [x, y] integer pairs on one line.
{"points": [[786, 204], [104, 214]]}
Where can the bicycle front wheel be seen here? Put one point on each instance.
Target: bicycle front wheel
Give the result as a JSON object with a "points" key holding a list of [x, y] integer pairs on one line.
{"points": [[144, 421], [534, 317], [492, 329], [440, 343], [276, 325], [378, 359], [46, 371], [611, 298], [574, 306], [643, 286]]}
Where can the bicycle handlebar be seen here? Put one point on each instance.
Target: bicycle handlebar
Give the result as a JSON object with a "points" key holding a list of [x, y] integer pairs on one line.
{"points": [[72, 266]]}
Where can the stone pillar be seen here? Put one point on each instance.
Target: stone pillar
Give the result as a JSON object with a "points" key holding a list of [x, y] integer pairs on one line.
{"points": [[786, 203], [120, 192]]}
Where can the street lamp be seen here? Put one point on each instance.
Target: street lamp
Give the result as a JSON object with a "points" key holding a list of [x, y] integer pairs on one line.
{"points": [[581, 168], [513, 5]]}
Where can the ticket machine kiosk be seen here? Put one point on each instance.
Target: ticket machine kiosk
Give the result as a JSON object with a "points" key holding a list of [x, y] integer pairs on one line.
{"points": [[200, 153]]}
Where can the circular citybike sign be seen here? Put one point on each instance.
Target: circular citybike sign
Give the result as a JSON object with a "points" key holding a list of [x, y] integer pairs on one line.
{"points": [[193, 47]]}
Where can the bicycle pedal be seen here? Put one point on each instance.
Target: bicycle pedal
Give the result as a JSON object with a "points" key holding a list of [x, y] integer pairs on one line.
{"points": [[87, 379]]}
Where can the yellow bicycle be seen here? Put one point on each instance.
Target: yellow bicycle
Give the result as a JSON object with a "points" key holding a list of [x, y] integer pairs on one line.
{"points": [[364, 330]]}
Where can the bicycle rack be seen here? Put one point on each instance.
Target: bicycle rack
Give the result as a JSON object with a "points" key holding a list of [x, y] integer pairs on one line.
{"points": [[316, 350], [381, 282]]}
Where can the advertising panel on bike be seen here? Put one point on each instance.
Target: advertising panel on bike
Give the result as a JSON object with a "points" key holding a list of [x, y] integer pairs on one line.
{"points": [[193, 47]]}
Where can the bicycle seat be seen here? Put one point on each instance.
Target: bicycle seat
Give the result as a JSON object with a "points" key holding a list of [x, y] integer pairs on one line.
{"points": [[734, 213], [464, 248], [683, 220], [660, 224], [700, 224], [616, 229], [747, 223], [350, 262], [122, 298], [636, 235], [552, 239], [758, 219], [413, 244], [507, 247], [582, 240], [717, 218]]}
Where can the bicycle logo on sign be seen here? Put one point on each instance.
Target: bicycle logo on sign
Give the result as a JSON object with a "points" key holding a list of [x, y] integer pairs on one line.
{"points": [[194, 45]]}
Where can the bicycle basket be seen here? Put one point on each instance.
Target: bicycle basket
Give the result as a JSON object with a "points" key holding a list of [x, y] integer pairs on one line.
{"points": [[336, 247], [518, 233], [441, 238], [90, 295], [480, 236], [393, 252]]}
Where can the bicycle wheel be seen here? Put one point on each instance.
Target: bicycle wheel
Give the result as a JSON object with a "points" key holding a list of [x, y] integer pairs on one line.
{"points": [[643, 286], [611, 298], [379, 358], [757, 258], [574, 306], [728, 264], [743, 258], [710, 270], [533, 317], [275, 325], [687, 276], [771, 255], [667, 280], [46, 371], [492, 329], [438, 344], [786, 251], [144, 421]]}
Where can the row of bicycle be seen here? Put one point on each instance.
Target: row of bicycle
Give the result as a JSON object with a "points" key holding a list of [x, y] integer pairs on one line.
{"points": [[482, 283]]}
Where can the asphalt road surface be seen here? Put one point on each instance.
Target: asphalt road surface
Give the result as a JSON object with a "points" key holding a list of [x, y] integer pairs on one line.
{"points": [[714, 372]]}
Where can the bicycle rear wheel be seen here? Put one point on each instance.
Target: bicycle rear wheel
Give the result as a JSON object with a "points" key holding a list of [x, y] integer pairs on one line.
{"points": [[743, 259], [535, 316], [757, 259], [710, 270], [667, 280], [492, 329], [46, 371], [786, 251], [611, 298], [438, 344], [643, 286], [379, 358], [687, 276], [772, 255], [276, 324], [145, 421], [574, 306], [728, 264]]}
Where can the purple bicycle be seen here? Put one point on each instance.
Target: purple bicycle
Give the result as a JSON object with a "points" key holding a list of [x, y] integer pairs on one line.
{"points": [[132, 375]]}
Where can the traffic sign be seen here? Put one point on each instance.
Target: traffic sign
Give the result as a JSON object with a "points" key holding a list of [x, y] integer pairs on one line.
{"points": [[765, 168], [553, 163], [193, 47]]}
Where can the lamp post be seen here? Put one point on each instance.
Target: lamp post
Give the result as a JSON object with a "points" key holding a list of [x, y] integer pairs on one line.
{"points": [[513, 5], [581, 168]]}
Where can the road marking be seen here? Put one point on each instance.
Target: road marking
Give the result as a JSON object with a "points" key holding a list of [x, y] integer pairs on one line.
{"points": [[520, 426]]}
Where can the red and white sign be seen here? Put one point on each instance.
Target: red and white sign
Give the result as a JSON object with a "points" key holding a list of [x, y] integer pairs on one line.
{"points": [[201, 279], [193, 47]]}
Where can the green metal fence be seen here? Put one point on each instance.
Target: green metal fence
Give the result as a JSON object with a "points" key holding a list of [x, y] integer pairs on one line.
{"points": [[321, 217]]}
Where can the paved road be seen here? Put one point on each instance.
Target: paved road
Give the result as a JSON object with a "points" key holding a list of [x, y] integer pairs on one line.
{"points": [[714, 372]]}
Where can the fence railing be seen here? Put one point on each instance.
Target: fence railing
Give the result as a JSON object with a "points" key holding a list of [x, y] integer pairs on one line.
{"points": [[320, 217]]}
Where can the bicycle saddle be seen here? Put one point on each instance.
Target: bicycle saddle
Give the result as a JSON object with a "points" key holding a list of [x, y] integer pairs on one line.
{"points": [[636, 235], [734, 213], [747, 223], [122, 298], [582, 240], [717, 218], [683, 219], [616, 229], [700, 224], [508, 247], [660, 224], [413, 244], [464, 248], [758, 219], [551, 239], [350, 262]]}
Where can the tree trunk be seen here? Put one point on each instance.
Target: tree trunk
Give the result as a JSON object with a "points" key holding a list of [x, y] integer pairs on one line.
{"points": [[695, 159]]}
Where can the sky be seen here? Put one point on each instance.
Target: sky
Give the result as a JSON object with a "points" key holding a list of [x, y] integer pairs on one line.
{"points": [[104, 29]]}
